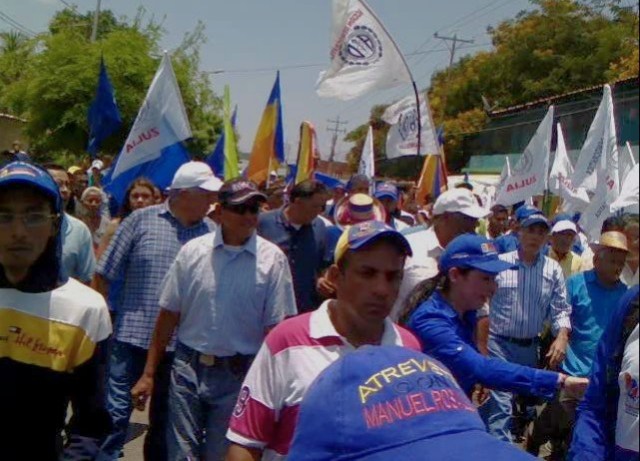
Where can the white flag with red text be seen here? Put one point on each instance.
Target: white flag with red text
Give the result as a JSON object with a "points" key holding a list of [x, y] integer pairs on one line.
{"points": [[363, 54], [529, 176], [161, 122], [559, 178]]}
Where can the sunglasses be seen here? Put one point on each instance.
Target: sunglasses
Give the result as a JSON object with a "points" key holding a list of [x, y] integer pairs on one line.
{"points": [[244, 208]]}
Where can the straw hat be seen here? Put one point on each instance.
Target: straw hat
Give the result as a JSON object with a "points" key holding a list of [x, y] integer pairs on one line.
{"points": [[612, 239], [358, 208]]}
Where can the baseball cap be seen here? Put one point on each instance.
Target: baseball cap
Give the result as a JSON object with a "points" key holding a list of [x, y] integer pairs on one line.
{"points": [[74, 169], [386, 190], [473, 252], [386, 403], [195, 175], [564, 226], [459, 201], [612, 239], [357, 236], [28, 174], [238, 191], [528, 215]]}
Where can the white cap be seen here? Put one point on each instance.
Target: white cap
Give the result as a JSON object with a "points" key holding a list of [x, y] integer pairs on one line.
{"points": [[459, 201], [97, 163], [195, 174], [564, 225]]}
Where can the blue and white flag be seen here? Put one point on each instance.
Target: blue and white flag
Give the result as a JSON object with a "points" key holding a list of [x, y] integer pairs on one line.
{"points": [[402, 139], [103, 117], [367, 165], [153, 148]]}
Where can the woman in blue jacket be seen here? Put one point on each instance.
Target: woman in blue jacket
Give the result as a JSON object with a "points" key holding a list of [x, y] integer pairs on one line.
{"points": [[607, 422], [446, 322]]}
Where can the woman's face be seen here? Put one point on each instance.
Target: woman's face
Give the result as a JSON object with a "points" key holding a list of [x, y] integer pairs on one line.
{"points": [[140, 197], [474, 289]]}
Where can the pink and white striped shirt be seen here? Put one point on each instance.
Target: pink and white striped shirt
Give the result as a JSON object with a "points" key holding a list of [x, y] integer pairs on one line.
{"points": [[290, 359]]}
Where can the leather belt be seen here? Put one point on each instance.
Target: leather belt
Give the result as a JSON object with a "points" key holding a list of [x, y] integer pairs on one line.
{"points": [[522, 342], [236, 363]]}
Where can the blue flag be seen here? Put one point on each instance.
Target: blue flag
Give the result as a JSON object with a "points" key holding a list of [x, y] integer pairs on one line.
{"points": [[216, 159], [104, 116], [159, 171]]}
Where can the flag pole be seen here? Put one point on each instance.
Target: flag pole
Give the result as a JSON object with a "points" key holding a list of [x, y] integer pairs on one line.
{"points": [[417, 93]]}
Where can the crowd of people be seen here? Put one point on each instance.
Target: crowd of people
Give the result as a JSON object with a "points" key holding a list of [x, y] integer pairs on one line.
{"points": [[301, 322]]}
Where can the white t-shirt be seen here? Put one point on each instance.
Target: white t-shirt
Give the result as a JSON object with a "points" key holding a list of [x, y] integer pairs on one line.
{"points": [[627, 426]]}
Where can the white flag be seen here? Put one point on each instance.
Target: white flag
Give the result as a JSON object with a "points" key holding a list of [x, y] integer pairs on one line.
{"points": [[367, 160], [559, 182], [529, 176], [161, 122], [627, 162], [606, 172], [597, 143], [363, 54], [403, 135], [630, 194]]}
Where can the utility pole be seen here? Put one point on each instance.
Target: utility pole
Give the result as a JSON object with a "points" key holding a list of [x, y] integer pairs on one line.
{"points": [[336, 130], [452, 54], [96, 17]]}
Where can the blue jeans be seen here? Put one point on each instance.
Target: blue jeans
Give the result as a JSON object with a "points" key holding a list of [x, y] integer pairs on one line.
{"points": [[497, 412], [201, 399], [126, 365]]}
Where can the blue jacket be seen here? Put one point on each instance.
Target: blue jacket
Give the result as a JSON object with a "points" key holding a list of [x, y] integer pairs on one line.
{"points": [[450, 339], [595, 430]]}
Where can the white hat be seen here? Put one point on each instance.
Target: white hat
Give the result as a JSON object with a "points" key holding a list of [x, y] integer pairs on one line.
{"points": [[195, 174], [98, 164], [563, 226], [459, 201]]}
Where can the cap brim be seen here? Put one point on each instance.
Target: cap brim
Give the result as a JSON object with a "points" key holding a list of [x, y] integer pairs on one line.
{"points": [[493, 267], [461, 446], [211, 185], [533, 221], [476, 212], [386, 195], [246, 197], [392, 235]]}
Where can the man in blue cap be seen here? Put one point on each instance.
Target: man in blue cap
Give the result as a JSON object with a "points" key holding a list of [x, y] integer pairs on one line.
{"points": [[392, 404], [53, 328], [368, 268], [524, 299], [389, 196], [509, 242]]}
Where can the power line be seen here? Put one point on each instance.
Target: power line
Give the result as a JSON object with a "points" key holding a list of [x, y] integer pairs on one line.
{"points": [[69, 5], [16, 25]]}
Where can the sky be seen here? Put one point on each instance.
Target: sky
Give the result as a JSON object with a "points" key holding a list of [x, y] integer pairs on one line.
{"points": [[248, 40]]}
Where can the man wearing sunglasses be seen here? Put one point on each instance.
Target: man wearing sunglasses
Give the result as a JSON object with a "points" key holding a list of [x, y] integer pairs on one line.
{"points": [[223, 293], [52, 328]]}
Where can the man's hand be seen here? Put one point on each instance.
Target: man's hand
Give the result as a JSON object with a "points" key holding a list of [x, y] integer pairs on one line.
{"points": [[325, 288], [576, 386], [141, 392], [557, 351], [480, 395]]}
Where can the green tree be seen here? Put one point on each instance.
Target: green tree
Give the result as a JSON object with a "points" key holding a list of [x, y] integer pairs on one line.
{"points": [[59, 80]]}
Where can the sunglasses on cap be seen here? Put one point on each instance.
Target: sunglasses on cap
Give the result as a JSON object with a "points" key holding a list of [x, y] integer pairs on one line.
{"points": [[252, 207]]}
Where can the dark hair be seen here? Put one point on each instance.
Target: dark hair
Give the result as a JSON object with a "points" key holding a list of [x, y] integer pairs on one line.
{"points": [[424, 290], [356, 178], [125, 209], [614, 223], [307, 189]]}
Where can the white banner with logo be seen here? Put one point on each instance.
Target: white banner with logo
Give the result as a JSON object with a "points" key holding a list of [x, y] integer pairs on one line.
{"points": [[367, 164], [559, 179], [363, 54], [529, 176], [402, 139], [161, 122]]}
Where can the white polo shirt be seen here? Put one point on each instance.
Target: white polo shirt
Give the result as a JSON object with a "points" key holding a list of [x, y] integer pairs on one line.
{"points": [[291, 358]]}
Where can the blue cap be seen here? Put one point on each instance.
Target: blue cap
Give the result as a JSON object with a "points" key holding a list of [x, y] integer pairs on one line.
{"points": [[529, 215], [392, 404], [473, 251], [525, 211], [28, 174], [561, 217], [388, 190], [357, 236]]}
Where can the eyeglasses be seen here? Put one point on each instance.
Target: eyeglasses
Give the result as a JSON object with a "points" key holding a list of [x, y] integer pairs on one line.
{"points": [[29, 220], [244, 208]]}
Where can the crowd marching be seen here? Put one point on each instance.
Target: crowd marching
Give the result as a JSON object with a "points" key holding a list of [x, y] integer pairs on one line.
{"points": [[311, 320]]}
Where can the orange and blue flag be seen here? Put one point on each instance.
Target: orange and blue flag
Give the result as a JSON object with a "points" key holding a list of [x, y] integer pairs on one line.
{"points": [[307, 153], [433, 179], [268, 147]]}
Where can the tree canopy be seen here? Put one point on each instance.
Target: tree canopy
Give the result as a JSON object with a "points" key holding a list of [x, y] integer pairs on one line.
{"points": [[50, 80], [557, 47]]}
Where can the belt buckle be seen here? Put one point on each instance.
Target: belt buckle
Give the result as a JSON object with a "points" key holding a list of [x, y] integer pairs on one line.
{"points": [[207, 360]]}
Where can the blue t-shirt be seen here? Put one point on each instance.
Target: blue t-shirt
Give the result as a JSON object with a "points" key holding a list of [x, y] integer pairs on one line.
{"points": [[507, 243], [592, 307]]}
